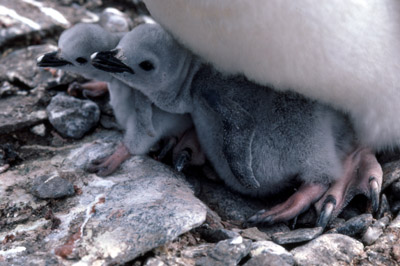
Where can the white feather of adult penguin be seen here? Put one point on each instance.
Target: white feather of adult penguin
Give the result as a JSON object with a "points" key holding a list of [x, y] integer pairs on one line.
{"points": [[345, 52]]}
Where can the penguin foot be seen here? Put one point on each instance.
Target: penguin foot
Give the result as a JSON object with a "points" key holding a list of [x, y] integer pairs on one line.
{"points": [[362, 175], [296, 204], [91, 89], [107, 165], [182, 159]]}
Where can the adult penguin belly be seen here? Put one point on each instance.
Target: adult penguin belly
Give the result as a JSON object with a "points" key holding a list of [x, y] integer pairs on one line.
{"points": [[345, 53]]}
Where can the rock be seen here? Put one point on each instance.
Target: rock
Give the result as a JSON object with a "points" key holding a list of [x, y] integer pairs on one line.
{"points": [[355, 226], [266, 259], [395, 224], [254, 234], [262, 250], [52, 187], [297, 236], [328, 249], [391, 173], [227, 252], [19, 67], [72, 117], [371, 235], [18, 112], [109, 220], [28, 22], [114, 20], [275, 228], [39, 130]]}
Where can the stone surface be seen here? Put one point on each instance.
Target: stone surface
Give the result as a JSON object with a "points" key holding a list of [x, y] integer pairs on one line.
{"points": [[227, 252], [356, 226], [391, 173], [72, 117], [329, 249], [29, 21], [297, 236], [52, 187], [371, 235], [254, 234], [113, 220], [18, 112], [268, 249]]}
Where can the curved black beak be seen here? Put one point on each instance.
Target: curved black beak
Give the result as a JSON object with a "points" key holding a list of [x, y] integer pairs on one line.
{"points": [[51, 60], [107, 61]]}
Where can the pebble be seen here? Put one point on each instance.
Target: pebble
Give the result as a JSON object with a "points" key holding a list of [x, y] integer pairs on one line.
{"points": [[52, 187], [72, 117], [270, 250], [355, 226], [296, 236], [328, 249]]}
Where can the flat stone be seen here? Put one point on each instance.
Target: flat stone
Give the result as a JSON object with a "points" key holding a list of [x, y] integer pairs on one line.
{"points": [[72, 117], [109, 220], [266, 259], [268, 249], [227, 252], [254, 234], [52, 187], [328, 249], [355, 226], [297, 236], [18, 112]]}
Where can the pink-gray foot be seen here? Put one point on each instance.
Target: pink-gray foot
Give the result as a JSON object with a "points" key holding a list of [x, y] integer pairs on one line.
{"points": [[362, 175], [296, 204], [108, 165], [91, 89]]}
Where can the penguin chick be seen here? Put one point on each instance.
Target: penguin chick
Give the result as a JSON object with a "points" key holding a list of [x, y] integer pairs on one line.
{"points": [[144, 124], [258, 140], [343, 53]]}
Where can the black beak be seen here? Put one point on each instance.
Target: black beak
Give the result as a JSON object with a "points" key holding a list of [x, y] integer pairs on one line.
{"points": [[107, 61], [51, 60]]}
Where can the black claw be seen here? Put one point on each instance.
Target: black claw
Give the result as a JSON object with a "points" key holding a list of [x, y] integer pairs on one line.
{"points": [[327, 210], [374, 193], [183, 158], [166, 149]]}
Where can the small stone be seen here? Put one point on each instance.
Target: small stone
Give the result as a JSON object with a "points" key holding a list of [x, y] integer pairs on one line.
{"points": [[395, 224], [371, 235], [114, 20], [72, 117], [275, 228], [297, 236], [254, 234], [52, 187], [391, 172], [355, 226], [328, 249], [262, 248], [39, 130], [227, 252], [396, 252], [266, 259]]}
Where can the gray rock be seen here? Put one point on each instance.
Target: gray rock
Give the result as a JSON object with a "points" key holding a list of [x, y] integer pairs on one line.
{"points": [[254, 234], [355, 226], [216, 235], [72, 117], [262, 250], [227, 252], [52, 187], [395, 224], [328, 249], [297, 236], [115, 21], [18, 112], [39, 130], [27, 22], [371, 235], [275, 228], [391, 172], [266, 259], [109, 220]]}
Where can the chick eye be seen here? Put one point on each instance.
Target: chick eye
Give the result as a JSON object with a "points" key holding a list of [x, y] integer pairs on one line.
{"points": [[81, 60], [146, 65]]}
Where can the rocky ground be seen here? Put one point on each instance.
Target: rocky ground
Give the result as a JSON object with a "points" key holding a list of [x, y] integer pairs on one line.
{"points": [[52, 212]]}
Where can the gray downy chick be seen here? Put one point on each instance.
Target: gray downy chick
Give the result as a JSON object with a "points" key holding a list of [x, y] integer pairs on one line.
{"points": [[258, 140], [144, 123]]}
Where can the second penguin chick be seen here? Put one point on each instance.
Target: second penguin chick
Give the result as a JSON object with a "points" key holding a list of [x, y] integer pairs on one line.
{"points": [[144, 123], [258, 140]]}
